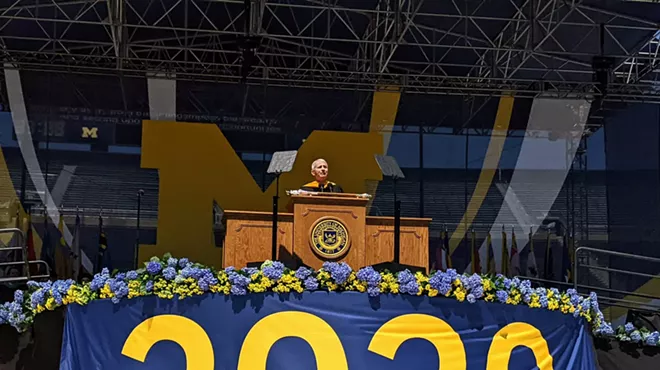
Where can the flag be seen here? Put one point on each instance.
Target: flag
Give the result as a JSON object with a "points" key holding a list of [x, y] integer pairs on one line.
{"points": [[532, 268], [515, 257], [76, 268], [101, 260], [445, 249], [567, 259], [490, 261], [505, 254], [47, 254], [29, 244], [548, 273], [62, 254], [476, 259]]}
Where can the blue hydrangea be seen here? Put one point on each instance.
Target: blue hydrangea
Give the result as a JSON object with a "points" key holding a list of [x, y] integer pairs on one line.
{"points": [[227, 269], [38, 298], [373, 291], [606, 329], [502, 296], [12, 314], [369, 276], [339, 272], [273, 270], [206, 280], [172, 262], [120, 276], [183, 262], [629, 327], [18, 296], [238, 280], [593, 298], [652, 339], [303, 273], [131, 275], [238, 290], [407, 282], [635, 336], [169, 273], [474, 282], [149, 286], [441, 281], [119, 288], [311, 283], [471, 298], [154, 267], [478, 292]]}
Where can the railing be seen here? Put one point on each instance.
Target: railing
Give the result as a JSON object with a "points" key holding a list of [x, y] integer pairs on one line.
{"points": [[20, 246], [628, 301], [585, 289]]}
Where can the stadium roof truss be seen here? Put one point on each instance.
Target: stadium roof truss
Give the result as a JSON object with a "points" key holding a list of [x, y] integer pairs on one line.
{"points": [[449, 47]]}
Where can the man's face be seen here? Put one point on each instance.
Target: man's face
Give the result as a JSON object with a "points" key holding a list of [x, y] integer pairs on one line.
{"points": [[320, 171]]}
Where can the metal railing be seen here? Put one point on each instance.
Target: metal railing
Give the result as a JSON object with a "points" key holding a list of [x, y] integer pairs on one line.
{"points": [[629, 303], [22, 247]]}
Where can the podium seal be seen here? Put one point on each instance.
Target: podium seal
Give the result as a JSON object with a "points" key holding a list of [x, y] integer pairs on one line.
{"points": [[329, 238]]}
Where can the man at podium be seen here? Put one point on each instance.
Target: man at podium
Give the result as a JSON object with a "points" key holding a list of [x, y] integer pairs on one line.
{"points": [[321, 183]]}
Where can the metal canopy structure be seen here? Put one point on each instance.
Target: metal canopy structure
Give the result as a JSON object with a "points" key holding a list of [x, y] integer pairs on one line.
{"points": [[453, 47]]}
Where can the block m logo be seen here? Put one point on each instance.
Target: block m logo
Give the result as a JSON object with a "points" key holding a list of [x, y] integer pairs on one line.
{"points": [[90, 133]]}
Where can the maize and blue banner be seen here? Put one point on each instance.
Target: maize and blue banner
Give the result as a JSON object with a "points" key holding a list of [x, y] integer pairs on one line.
{"points": [[321, 330]]}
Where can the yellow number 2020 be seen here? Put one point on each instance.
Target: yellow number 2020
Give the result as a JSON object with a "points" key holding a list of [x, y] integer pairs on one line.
{"points": [[325, 343]]}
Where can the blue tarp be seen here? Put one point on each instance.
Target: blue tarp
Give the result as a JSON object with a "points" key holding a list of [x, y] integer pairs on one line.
{"points": [[320, 330]]}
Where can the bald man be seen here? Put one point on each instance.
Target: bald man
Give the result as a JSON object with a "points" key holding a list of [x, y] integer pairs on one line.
{"points": [[321, 183]]}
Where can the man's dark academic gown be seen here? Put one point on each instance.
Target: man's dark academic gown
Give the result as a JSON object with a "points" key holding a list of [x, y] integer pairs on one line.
{"points": [[327, 187]]}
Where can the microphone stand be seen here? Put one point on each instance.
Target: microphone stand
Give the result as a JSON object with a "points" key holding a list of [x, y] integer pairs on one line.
{"points": [[276, 199]]}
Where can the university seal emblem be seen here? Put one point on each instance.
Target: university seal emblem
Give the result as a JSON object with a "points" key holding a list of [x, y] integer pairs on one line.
{"points": [[329, 238]]}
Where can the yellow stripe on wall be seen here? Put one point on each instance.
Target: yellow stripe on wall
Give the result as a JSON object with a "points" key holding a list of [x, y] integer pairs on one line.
{"points": [[491, 162]]}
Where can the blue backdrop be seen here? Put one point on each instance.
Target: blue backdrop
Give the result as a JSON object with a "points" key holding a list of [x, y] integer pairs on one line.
{"points": [[214, 331]]}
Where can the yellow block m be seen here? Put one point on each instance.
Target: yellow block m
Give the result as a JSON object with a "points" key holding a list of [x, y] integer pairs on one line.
{"points": [[90, 132]]}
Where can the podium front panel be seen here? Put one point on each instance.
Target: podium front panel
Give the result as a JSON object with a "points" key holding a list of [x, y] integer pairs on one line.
{"points": [[320, 231]]}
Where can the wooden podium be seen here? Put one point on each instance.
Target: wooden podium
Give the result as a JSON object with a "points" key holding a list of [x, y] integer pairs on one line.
{"points": [[324, 227]]}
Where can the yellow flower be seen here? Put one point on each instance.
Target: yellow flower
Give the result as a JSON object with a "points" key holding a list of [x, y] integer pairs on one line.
{"points": [[535, 301], [460, 294], [421, 278], [488, 285], [457, 283], [50, 304], [433, 292], [106, 292], [553, 304], [134, 289], [489, 297]]}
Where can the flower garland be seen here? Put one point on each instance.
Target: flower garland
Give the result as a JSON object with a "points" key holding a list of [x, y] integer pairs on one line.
{"points": [[169, 277]]}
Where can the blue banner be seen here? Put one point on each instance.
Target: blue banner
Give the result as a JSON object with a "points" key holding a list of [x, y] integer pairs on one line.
{"points": [[321, 330]]}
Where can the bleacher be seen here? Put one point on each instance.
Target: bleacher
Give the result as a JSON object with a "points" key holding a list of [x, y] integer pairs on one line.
{"points": [[111, 181]]}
